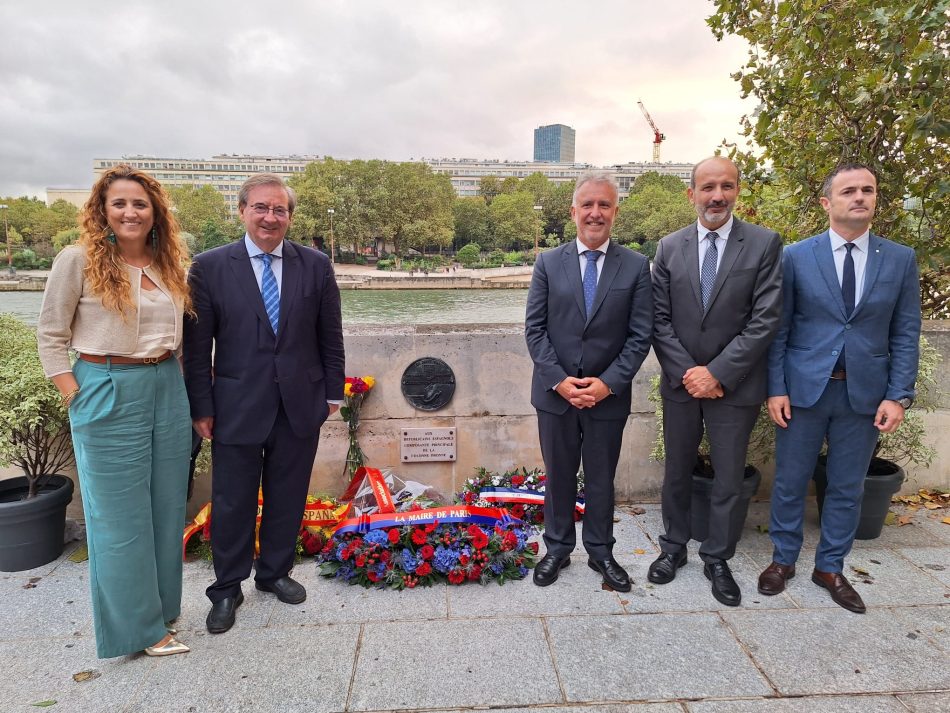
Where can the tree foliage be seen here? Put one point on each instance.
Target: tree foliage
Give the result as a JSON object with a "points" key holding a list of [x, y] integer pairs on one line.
{"points": [[202, 214], [653, 210], [849, 80], [514, 221]]}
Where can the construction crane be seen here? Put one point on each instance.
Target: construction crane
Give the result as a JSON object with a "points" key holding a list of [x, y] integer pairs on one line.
{"points": [[657, 136]]}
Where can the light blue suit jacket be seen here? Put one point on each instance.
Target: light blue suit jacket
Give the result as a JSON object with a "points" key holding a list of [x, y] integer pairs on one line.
{"points": [[881, 336]]}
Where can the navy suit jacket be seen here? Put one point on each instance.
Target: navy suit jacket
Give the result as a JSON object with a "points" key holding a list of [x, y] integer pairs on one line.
{"points": [[254, 371], [881, 336], [611, 344]]}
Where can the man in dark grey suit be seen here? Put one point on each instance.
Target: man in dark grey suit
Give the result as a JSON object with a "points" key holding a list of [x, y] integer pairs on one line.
{"points": [[588, 325], [718, 295]]}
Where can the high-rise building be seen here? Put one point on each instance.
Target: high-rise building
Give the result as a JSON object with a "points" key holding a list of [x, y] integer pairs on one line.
{"points": [[554, 142]]}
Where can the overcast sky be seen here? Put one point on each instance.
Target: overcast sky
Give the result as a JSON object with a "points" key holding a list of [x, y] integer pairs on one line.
{"points": [[351, 79]]}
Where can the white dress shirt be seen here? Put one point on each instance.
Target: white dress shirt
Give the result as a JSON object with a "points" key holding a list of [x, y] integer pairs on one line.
{"points": [[582, 259], [276, 265], [723, 233], [859, 253]]}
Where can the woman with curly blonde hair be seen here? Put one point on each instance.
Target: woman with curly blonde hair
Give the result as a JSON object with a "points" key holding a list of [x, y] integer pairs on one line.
{"points": [[117, 299]]}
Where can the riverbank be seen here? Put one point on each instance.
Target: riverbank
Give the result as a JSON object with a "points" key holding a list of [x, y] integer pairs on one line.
{"points": [[361, 277]]}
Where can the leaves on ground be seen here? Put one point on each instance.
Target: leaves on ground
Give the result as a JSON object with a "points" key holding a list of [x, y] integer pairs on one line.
{"points": [[764, 529], [80, 554], [928, 498], [86, 675], [44, 704], [31, 582], [637, 511], [639, 551], [890, 518], [905, 520], [946, 521], [860, 570]]}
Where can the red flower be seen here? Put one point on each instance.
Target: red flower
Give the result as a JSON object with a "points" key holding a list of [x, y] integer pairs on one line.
{"points": [[480, 541], [431, 526], [372, 576], [360, 561], [509, 541], [418, 536], [517, 480], [469, 498], [475, 573], [517, 510], [463, 559], [393, 535], [542, 478], [533, 546], [427, 552], [423, 569], [474, 531], [384, 556], [456, 576]]}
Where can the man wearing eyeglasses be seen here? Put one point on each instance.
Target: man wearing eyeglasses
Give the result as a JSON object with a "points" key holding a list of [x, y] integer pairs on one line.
{"points": [[264, 368]]}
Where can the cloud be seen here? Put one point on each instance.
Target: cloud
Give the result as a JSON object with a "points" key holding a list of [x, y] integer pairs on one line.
{"points": [[354, 80]]}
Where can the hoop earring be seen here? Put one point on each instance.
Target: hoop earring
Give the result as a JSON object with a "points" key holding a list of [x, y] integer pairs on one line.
{"points": [[154, 239], [111, 237]]}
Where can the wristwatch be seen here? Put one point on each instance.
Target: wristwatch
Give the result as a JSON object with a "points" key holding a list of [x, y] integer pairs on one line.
{"points": [[906, 402]]}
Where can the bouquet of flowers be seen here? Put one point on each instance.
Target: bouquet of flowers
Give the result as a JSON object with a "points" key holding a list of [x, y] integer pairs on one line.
{"points": [[355, 390], [407, 556], [520, 490]]}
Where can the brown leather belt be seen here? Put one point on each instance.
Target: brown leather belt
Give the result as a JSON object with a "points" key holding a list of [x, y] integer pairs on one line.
{"points": [[839, 375], [96, 359]]}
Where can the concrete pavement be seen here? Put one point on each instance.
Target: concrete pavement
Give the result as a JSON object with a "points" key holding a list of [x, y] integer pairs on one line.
{"points": [[567, 648]]}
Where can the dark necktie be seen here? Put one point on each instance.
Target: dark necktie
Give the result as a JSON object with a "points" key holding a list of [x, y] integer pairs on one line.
{"points": [[707, 275], [590, 279], [847, 280], [269, 291]]}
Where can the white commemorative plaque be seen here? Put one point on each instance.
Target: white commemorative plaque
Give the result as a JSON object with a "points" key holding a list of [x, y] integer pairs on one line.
{"points": [[427, 444]]}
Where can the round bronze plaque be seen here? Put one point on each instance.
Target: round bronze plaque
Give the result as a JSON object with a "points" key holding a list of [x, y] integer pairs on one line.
{"points": [[428, 384]]}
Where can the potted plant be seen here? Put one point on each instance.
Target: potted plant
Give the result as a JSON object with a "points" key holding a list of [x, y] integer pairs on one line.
{"points": [[34, 435], [761, 448], [893, 451]]}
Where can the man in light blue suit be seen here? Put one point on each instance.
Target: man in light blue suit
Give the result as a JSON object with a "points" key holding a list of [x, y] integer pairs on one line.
{"points": [[841, 368]]}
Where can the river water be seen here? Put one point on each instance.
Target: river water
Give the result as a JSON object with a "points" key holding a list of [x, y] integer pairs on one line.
{"points": [[374, 306]]}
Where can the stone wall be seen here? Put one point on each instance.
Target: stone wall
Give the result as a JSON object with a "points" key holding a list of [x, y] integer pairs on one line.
{"points": [[491, 410], [496, 424]]}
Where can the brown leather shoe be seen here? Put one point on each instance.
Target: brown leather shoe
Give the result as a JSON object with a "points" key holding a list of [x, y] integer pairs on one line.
{"points": [[842, 593], [773, 578]]}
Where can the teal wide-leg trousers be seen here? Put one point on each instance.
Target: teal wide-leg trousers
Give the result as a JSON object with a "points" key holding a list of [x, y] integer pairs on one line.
{"points": [[132, 437]]}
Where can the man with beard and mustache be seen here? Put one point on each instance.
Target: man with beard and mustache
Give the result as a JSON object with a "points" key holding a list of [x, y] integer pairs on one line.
{"points": [[587, 325], [717, 290]]}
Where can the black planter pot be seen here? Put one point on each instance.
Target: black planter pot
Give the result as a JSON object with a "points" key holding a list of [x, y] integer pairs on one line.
{"points": [[699, 507], [31, 531], [884, 478]]}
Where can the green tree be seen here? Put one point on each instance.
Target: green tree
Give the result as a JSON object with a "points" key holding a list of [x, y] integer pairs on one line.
{"points": [[64, 238], [416, 207], [849, 81], [195, 206], [469, 255], [489, 187], [660, 180], [514, 221], [510, 185], [557, 208], [651, 213], [538, 185], [471, 220]]}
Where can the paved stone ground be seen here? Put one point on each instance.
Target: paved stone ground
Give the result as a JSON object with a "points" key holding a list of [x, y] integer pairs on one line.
{"points": [[568, 648]]}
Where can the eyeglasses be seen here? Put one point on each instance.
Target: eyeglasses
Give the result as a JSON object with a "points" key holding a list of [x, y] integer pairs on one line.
{"points": [[262, 210]]}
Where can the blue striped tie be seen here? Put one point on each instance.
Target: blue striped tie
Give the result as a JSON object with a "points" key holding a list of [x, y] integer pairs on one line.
{"points": [[269, 291]]}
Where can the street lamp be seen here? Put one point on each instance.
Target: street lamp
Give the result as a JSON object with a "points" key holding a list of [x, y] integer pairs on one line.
{"points": [[537, 232], [330, 213], [6, 237]]}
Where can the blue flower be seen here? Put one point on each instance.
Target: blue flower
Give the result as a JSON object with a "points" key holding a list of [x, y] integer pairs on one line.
{"points": [[409, 561], [445, 559], [346, 571], [523, 571], [377, 537], [497, 567], [339, 551]]}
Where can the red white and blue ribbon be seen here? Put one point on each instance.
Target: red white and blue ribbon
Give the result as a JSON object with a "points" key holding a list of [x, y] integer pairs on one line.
{"points": [[524, 496], [465, 514]]}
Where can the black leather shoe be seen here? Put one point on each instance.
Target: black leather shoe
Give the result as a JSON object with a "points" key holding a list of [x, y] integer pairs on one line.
{"points": [[221, 616], [286, 589], [663, 568], [614, 575], [724, 587], [547, 570]]}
